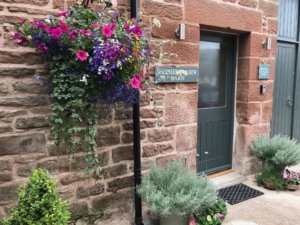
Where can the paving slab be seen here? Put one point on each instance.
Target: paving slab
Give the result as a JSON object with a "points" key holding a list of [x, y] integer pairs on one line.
{"points": [[272, 208]]}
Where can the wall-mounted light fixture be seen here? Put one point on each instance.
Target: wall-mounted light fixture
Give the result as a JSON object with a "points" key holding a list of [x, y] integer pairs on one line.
{"points": [[267, 43], [180, 32]]}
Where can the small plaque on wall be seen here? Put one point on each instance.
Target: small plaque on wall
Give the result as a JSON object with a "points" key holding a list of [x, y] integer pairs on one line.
{"points": [[176, 74], [264, 71]]}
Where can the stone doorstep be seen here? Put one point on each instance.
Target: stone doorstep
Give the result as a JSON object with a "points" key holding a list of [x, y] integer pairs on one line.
{"points": [[228, 179]]}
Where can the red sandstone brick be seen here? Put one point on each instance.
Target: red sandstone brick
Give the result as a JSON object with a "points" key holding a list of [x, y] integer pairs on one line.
{"points": [[71, 2], [30, 10], [245, 135], [249, 3], [223, 15], [266, 112], [1, 7], [233, 1], [166, 31], [248, 113], [250, 91], [11, 19], [251, 44], [248, 68], [58, 4], [188, 53], [192, 33], [181, 108], [31, 2], [186, 138], [272, 26], [17, 57], [173, 1], [162, 10], [188, 86], [269, 9]]}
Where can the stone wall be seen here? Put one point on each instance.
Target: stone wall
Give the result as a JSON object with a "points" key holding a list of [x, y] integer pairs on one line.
{"points": [[24, 141]]}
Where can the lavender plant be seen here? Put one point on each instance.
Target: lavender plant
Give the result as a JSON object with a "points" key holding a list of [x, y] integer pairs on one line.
{"points": [[175, 190], [280, 150], [96, 58]]}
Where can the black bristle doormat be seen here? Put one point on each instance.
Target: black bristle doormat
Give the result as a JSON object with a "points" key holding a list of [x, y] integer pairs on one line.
{"points": [[238, 193]]}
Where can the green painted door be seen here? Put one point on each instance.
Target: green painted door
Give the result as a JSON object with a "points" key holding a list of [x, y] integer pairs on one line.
{"points": [[286, 93], [215, 101]]}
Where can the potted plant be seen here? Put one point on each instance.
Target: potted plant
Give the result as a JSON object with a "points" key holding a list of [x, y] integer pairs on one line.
{"points": [[39, 202], [277, 152], [292, 178], [213, 215], [271, 179], [174, 193]]}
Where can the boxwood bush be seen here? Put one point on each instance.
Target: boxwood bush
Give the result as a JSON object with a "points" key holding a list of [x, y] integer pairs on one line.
{"points": [[39, 203]]}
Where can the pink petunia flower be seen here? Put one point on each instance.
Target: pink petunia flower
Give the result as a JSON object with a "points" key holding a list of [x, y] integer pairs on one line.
{"points": [[82, 55], [143, 87], [75, 31], [285, 175], [138, 76], [96, 26], [135, 83], [220, 214], [56, 32], [42, 48], [192, 222], [127, 28], [64, 27], [33, 23], [137, 31], [62, 13], [113, 26], [86, 32], [106, 31], [22, 40]]}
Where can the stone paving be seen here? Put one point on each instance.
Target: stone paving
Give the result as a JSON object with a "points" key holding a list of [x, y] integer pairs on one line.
{"points": [[272, 208]]}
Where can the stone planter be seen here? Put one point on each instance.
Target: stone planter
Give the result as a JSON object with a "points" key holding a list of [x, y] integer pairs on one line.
{"points": [[175, 220], [270, 166], [293, 187]]}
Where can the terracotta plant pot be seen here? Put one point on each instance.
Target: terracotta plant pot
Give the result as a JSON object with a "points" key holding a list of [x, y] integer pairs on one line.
{"points": [[293, 187], [269, 185]]}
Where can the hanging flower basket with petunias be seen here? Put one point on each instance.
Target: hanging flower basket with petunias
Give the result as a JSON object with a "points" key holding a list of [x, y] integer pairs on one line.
{"points": [[95, 59]]}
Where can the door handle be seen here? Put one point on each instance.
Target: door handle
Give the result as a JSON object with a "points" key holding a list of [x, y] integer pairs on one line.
{"points": [[289, 101]]}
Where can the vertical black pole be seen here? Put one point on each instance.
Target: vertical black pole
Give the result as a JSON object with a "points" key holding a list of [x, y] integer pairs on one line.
{"points": [[136, 140]]}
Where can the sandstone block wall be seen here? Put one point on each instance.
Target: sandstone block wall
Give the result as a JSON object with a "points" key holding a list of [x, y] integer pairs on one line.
{"points": [[24, 139]]}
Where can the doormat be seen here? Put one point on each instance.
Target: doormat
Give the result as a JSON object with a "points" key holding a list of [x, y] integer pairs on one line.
{"points": [[238, 193]]}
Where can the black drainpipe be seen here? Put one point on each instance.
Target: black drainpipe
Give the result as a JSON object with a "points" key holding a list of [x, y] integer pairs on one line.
{"points": [[136, 140]]}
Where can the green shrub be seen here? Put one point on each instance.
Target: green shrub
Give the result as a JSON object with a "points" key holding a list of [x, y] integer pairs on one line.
{"points": [[39, 203], [271, 176], [279, 150], [176, 191]]}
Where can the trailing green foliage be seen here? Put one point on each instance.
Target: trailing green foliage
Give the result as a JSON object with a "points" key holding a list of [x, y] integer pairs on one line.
{"points": [[39, 203], [214, 214], [279, 150], [271, 176], [176, 191]]}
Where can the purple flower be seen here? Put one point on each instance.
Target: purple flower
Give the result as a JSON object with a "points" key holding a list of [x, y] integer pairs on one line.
{"points": [[285, 175], [22, 40]]}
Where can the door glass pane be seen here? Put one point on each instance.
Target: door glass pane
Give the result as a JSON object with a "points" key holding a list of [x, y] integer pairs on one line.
{"points": [[212, 82]]}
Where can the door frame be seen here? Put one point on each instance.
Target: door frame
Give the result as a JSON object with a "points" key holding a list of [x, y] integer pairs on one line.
{"points": [[233, 70]]}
